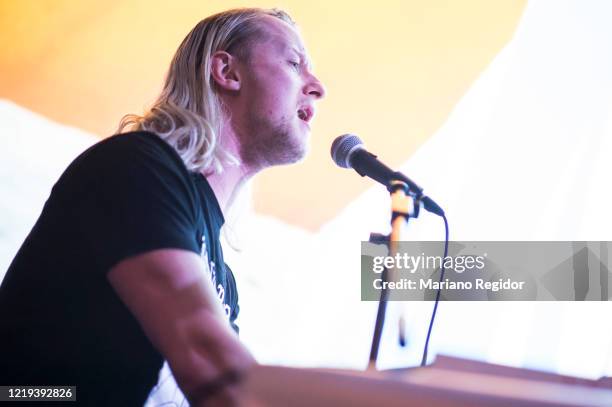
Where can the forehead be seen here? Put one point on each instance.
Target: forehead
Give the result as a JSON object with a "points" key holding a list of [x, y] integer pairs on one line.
{"points": [[281, 35]]}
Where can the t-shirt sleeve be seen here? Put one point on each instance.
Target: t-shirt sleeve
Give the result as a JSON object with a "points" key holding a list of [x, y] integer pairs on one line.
{"points": [[135, 196]]}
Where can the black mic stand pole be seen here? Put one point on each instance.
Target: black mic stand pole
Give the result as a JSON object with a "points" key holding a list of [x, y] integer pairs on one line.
{"points": [[403, 207]]}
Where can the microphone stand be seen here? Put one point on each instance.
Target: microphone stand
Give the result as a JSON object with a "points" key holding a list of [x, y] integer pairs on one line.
{"points": [[403, 207]]}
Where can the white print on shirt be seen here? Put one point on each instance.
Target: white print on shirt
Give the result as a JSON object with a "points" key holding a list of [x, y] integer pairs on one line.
{"points": [[166, 392], [212, 273]]}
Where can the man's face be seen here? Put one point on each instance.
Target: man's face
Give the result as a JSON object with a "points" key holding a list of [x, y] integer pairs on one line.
{"points": [[276, 99]]}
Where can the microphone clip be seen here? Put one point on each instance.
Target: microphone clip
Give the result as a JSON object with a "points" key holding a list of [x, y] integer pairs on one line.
{"points": [[405, 202]]}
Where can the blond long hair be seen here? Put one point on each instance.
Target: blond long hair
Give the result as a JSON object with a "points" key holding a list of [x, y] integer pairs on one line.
{"points": [[188, 112]]}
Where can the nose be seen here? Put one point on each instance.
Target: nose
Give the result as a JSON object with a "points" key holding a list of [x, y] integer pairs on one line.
{"points": [[315, 88]]}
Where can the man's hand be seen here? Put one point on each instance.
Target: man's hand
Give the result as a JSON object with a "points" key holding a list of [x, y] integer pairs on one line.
{"points": [[178, 309]]}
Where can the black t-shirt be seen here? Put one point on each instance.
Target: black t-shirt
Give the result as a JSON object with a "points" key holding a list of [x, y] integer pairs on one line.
{"points": [[61, 322]]}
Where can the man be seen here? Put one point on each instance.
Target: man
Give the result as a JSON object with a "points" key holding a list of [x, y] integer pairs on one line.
{"points": [[115, 277]]}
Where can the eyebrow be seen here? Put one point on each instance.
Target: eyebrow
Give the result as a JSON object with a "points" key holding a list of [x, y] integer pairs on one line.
{"points": [[302, 55]]}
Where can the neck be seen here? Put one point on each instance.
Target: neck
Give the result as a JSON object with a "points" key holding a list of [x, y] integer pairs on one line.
{"points": [[227, 184]]}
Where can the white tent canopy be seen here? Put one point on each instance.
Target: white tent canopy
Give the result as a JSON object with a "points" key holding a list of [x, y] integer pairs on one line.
{"points": [[524, 156]]}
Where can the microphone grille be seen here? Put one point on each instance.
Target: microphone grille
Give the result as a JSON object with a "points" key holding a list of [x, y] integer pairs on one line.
{"points": [[342, 148]]}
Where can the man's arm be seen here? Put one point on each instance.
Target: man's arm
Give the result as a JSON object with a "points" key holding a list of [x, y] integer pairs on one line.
{"points": [[179, 312]]}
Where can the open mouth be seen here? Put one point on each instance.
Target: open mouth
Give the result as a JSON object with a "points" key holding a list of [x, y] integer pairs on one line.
{"points": [[305, 114]]}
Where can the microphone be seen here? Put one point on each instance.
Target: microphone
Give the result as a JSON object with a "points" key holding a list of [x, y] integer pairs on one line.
{"points": [[348, 151]]}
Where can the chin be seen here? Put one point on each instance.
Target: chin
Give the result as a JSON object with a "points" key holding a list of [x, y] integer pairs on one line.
{"points": [[292, 155], [283, 148], [301, 145], [290, 146]]}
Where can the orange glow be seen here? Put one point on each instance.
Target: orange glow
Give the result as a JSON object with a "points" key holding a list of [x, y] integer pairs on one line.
{"points": [[393, 71]]}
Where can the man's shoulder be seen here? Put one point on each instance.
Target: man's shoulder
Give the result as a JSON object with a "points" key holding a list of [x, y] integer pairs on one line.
{"points": [[135, 142], [127, 159], [134, 151]]}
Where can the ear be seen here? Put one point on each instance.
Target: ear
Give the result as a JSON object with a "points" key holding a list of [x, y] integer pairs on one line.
{"points": [[223, 67]]}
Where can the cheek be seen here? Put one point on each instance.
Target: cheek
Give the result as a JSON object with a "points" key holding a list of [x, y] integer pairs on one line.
{"points": [[276, 100], [275, 94]]}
